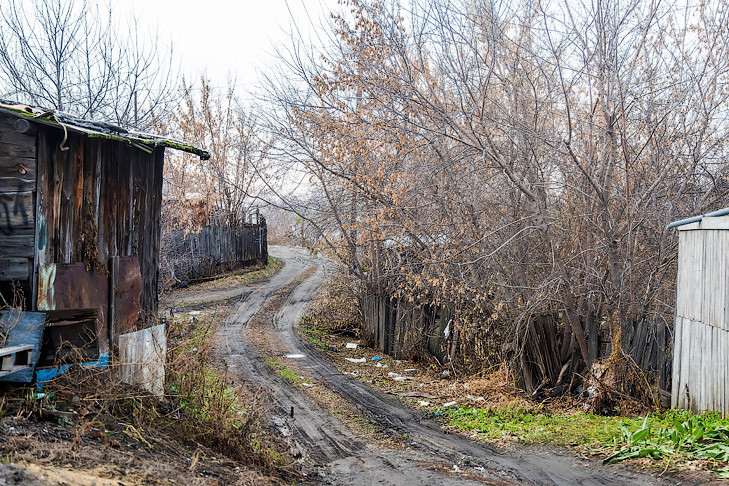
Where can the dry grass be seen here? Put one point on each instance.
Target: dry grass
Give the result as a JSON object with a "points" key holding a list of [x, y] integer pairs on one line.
{"points": [[202, 426]]}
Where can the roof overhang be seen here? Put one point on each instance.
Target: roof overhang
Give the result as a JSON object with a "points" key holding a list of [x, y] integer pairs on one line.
{"points": [[96, 129], [715, 220]]}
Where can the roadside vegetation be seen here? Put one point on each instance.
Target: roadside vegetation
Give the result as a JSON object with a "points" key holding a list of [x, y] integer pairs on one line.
{"points": [[204, 429], [488, 406], [673, 438]]}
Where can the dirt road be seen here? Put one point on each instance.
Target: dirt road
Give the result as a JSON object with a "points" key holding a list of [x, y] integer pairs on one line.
{"points": [[334, 454]]}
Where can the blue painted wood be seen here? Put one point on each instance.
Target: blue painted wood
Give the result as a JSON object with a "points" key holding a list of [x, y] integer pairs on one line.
{"points": [[23, 328]]}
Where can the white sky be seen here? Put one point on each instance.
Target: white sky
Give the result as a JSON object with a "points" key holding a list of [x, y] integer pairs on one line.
{"points": [[222, 37]]}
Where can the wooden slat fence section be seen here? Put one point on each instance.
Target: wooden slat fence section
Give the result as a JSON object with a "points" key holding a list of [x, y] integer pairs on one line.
{"points": [[402, 329], [187, 256]]}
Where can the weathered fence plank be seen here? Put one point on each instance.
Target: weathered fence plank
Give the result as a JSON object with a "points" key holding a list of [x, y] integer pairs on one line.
{"points": [[187, 256]]}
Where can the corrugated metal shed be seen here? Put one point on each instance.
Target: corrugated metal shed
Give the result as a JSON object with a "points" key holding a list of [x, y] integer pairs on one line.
{"points": [[701, 331]]}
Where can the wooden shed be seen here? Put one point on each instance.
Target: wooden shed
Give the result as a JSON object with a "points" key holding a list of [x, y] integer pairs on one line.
{"points": [[701, 331], [80, 226]]}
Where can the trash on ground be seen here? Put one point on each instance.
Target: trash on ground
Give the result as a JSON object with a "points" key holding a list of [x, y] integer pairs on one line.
{"points": [[423, 403], [380, 365], [449, 404], [294, 356], [398, 377], [353, 360], [377, 358], [479, 399], [333, 348], [307, 384], [409, 370], [351, 346], [414, 394]]}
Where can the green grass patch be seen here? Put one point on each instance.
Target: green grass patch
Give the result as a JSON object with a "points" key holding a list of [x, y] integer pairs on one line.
{"points": [[670, 437], [541, 426], [316, 336], [281, 370]]}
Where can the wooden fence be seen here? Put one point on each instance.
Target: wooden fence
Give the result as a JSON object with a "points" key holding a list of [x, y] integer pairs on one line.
{"points": [[187, 256], [403, 330]]}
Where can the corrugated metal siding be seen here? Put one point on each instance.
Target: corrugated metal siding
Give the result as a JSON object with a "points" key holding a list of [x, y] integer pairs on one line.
{"points": [[701, 330]]}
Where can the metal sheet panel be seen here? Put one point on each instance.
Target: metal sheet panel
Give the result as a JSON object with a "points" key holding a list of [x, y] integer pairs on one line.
{"points": [[142, 357], [72, 286], [130, 294]]}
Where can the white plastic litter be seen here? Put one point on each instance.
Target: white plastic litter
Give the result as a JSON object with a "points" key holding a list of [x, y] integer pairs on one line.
{"points": [[360, 360], [351, 346], [380, 365], [409, 370], [294, 356], [398, 377], [479, 399], [449, 404], [423, 403]]}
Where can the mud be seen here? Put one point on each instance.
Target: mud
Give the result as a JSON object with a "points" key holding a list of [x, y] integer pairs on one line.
{"points": [[333, 454]]}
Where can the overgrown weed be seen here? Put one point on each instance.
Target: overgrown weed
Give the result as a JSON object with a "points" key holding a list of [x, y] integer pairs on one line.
{"points": [[200, 407]]}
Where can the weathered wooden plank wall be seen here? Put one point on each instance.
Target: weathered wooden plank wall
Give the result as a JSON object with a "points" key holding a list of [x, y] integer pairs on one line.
{"points": [[17, 198], [96, 200], [701, 369], [193, 255]]}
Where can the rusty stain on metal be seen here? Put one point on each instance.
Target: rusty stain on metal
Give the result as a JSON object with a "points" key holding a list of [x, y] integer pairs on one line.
{"points": [[46, 279], [78, 288], [130, 294]]}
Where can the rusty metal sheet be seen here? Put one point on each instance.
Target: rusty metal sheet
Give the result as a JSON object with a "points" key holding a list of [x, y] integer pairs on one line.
{"points": [[130, 294], [71, 286]]}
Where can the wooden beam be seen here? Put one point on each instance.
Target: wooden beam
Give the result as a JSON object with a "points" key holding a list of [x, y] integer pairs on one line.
{"points": [[14, 269], [114, 304]]}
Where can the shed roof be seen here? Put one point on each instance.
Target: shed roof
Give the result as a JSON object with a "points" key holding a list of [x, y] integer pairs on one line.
{"points": [[695, 222], [97, 129]]}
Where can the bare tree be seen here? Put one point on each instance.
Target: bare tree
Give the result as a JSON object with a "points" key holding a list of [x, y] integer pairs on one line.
{"points": [[512, 159], [226, 185], [75, 57]]}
